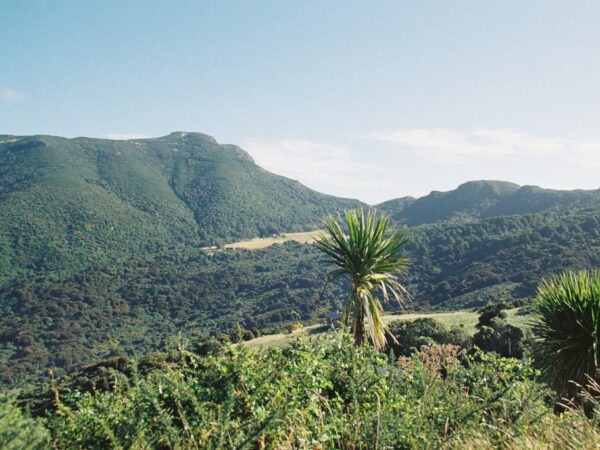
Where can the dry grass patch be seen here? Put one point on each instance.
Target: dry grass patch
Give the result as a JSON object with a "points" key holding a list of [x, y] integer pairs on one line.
{"points": [[307, 237]]}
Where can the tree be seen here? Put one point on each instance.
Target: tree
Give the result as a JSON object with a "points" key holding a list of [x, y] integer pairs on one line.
{"points": [[411, 335], [495, 335], [567, 326], [369, 256]]}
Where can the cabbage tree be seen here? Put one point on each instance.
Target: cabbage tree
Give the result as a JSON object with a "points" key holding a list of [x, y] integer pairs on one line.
{"points": [[368, 254]]}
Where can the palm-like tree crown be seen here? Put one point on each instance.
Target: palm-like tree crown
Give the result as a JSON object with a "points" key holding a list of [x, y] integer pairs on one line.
{"points": [[567, 325], [368, 255]]}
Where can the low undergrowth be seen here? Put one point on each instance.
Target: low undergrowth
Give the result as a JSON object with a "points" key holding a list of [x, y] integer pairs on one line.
{"points": [[314, 394]]}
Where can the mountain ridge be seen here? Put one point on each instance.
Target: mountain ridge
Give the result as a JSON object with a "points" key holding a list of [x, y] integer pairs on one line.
{"points": [[474, 200], [181, 189]]}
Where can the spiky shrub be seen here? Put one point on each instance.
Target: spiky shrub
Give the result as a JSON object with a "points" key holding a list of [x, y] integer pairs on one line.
{"points": [[567, 325], [369, 256]]}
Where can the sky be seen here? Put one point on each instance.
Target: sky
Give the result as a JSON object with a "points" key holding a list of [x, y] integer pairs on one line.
{"points": [[368, 100]]}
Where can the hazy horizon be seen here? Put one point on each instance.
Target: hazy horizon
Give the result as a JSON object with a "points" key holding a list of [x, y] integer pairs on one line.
{"points": [[368, 101]]}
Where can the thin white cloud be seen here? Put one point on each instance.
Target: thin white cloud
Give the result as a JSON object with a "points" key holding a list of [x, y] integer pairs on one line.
{"points": [[125, 136], [466, 147], [10, 95], [329, 168], [384, 165]]}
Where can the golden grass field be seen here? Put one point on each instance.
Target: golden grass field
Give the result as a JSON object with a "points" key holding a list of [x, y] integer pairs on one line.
{"points": [[306, 237]]}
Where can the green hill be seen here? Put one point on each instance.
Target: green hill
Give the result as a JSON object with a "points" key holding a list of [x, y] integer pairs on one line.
{"points": [[141, 305], [457, 265], [67, 204], [484, 199]]}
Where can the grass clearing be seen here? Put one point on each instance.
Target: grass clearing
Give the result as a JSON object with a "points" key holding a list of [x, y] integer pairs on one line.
{"points": [[307, 237], [466, 319], [281, 338]]}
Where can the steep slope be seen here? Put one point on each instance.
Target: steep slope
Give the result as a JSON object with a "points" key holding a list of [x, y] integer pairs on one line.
{"points": [[483, 199], [458, 265], [395, 208], [533, 199], [231, 197], [65, 204], [68, 203]]}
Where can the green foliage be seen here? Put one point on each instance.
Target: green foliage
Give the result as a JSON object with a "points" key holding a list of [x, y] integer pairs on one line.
{"points": [[567, 326], [468, 264], [99, 247], [411, 335], [495, 335], [500, 337], [141, 306], [136, 306], [210, 346], [318, 394], [19, 431], [66, 204], [370, 259]]}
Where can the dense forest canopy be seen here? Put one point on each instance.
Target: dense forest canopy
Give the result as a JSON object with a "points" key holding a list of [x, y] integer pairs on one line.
{"points": [[67, 204]]}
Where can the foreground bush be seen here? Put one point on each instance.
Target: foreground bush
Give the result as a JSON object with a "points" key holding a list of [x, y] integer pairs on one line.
{"points": [[567, 324], [315, 394], [17, 431]]}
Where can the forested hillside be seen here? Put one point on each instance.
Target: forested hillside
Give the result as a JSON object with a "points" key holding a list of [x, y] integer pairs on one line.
{"points": [[69, 204], [101, 246], [484, 199], [141, 305], [470, 264]]}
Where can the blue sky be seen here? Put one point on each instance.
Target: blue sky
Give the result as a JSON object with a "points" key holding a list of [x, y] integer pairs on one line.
{"points": [[372, 100]]}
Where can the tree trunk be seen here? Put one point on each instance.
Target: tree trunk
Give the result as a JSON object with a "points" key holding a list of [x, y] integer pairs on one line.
{"points": [[359, 328]]}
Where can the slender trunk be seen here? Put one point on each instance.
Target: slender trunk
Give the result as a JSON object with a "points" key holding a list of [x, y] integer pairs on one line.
{"points": [[359, 328]]}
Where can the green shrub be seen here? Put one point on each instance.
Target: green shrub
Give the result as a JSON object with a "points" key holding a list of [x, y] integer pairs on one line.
{"points": [[412, 335], [210, 346], [17, 431], [500, 337], [495, 335], [319, 393], [491, 312], [567, 324]]}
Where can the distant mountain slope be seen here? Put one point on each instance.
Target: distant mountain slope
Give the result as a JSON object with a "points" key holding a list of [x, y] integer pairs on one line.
{"points": [[457, 265], [68, 203], [483, 199]]}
